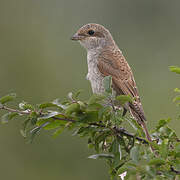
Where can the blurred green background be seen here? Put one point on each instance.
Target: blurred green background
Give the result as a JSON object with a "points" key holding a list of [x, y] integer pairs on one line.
{"points": [[40, 63]]}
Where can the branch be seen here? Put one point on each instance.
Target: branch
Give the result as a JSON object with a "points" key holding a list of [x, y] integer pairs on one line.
{"points": [[117, 131], [15, 110], [126, 133], [175, 171], [122, 131], [64, 119]]}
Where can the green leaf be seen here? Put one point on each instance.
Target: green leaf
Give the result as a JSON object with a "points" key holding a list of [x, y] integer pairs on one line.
{"points": [[104, 111], [47, 105], [162, 122], [122, 170], [82, 105], [49, 115], [54, 104], [94, 107], [154, 144], [166, 131], [150, 172], [58, 132], [4, 118], [134, 154], [8, 116], [117, 152], [23, 131], [157, 161], [81, 130], [33, 120], [175, 69], [133, 123], [25, 106], [57, 103], [75, 107], [76, 94], [136, 126], [101, 156], [108, 84], [102, 136], [54, 124], [35, 131], [177, 98], [89, 117], [177, 90], [52, 120], [96, 98], [177, 155], [114, 147], [177, 147], [124, 99], [164, 148], [7, 98]]}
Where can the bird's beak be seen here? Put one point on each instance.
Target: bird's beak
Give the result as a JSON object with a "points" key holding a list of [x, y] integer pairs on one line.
{"points": [[77, 37]]}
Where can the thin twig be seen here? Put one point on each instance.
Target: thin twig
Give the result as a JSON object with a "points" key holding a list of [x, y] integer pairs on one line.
{"points": [[15, 110], [174, 170], [64, 119]]}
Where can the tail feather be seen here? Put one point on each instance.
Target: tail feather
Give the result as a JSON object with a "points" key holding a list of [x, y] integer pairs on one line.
{"points": [[140, 118]]}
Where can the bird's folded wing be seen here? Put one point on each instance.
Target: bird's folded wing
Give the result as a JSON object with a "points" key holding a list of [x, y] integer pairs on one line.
{"points": [[113, 63]]}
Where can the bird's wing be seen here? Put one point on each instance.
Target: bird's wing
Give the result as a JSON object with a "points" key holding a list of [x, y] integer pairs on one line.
{"points": [[112, 63]]}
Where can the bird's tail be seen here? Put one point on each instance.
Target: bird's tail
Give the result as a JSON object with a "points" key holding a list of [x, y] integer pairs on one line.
{"points": [[141, 122], [140, 118]]}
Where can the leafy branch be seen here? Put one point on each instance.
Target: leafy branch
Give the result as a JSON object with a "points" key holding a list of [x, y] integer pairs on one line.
{"points": [[117, 131], [103, 124]]}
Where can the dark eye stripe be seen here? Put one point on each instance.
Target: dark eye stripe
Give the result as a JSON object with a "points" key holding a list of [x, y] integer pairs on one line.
{"points": [[90, 32]]}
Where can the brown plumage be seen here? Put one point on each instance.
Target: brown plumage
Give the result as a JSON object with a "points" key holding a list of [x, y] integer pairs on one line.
{"points": [[114, 64], [105, 59]]}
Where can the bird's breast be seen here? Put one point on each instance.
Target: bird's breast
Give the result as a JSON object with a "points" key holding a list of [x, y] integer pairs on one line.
{"points": [[94, 76]]}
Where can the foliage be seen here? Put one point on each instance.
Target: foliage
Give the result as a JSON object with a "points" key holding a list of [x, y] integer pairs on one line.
{"points": [[102, 123], [175, 69]]}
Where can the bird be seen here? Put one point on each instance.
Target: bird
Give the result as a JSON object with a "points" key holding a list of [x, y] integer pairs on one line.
{"points": [[104, 58]]}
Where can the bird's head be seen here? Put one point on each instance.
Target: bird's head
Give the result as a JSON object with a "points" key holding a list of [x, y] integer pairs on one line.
{"points": [[93, 36]]}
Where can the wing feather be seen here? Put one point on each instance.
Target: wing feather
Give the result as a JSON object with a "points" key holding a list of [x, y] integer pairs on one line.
{"points": [[113, 63]]}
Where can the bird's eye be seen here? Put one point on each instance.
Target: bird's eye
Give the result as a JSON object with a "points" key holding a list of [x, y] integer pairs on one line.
{"points": [[90, 32]]}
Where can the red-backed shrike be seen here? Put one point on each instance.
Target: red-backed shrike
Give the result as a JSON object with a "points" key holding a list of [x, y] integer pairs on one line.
{"points": [[104, 58]]}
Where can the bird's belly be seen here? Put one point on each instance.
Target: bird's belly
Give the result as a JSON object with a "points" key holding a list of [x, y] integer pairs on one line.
{"points": [[96, 80]]}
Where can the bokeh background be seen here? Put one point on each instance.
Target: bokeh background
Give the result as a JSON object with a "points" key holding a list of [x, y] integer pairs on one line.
{"points": [[40, 63]]}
